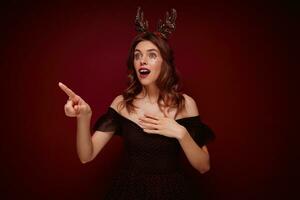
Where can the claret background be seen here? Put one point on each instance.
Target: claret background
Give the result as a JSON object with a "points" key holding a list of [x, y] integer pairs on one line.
{"points": [[233, 59]]}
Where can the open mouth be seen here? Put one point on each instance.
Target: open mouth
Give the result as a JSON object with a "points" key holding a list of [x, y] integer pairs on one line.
{"points": [[144, 72]]}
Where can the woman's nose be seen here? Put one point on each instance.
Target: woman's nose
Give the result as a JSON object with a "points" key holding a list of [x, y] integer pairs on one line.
{"points": [[143, 60]]}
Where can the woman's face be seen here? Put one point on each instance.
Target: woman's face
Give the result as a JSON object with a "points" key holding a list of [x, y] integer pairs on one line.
{"points": [[147, 62]]}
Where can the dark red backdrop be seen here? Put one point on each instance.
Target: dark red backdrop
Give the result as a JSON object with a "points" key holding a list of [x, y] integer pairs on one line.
{"points": [[232, 60]]}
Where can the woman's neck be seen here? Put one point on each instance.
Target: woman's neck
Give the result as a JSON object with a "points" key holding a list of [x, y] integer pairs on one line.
{"points": [[150, 93]]}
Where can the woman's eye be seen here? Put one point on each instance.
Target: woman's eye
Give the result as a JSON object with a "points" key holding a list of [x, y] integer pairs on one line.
{"points": [[152, 55], [137, 56]]}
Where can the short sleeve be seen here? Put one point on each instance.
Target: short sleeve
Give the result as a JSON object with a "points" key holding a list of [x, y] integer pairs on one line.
{"points": [[108, 122], [200, 132]]}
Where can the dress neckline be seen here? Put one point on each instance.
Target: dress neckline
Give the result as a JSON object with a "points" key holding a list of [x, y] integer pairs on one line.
{"points": [[177, 120]]}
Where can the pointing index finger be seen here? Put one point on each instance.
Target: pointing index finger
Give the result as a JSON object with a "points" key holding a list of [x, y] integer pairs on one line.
{"points": [[67, 90]]}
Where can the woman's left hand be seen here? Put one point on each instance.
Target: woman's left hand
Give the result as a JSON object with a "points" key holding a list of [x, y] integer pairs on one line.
{"points": [[162, 126]]}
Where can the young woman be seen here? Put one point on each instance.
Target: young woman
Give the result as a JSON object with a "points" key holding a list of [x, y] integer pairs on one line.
{"points": [[154, 118]]}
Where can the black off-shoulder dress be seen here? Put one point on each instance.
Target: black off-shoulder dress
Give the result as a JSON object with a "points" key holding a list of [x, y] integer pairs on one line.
{"points": [[151, 169]]}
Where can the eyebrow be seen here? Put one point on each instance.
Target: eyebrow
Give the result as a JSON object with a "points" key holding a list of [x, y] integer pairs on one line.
{"points": [[147, 50]]}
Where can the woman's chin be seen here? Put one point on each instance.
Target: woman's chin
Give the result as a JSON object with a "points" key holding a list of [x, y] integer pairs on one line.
{"points": [[145, 82]]}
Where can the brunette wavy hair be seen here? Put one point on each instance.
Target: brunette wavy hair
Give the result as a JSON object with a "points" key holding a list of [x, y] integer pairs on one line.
{"points": [[167, 82]]}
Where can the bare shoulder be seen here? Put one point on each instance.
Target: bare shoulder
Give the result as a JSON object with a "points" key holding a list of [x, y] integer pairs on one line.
{"points": [[191, 108], [117, 102]]}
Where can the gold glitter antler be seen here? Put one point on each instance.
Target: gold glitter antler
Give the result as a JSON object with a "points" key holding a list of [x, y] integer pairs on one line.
{"points": [[141, 25], [168, 26]]}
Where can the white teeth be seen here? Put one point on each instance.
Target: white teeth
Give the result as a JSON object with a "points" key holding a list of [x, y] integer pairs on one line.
{"points": [[144, 71]]}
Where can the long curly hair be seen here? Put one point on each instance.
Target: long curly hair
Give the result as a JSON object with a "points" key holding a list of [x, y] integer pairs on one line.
{"points": [[167, 82]]}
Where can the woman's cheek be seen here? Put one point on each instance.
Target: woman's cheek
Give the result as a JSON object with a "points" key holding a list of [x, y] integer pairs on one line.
{"points": [[156, 69], [155, 63]]}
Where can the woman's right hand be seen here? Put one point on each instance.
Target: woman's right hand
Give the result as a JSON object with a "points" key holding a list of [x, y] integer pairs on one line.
{"points": [[75, 106]]}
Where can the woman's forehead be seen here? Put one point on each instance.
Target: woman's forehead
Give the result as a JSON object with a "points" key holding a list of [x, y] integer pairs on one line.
{"points": [[145, 45]]}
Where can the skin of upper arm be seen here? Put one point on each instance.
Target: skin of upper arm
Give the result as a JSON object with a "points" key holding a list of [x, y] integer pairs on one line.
{"points": [[192, 110], [100, 138]]}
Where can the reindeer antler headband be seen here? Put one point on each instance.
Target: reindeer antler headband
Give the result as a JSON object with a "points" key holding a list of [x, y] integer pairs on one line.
{"points": [[163, 28]]}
